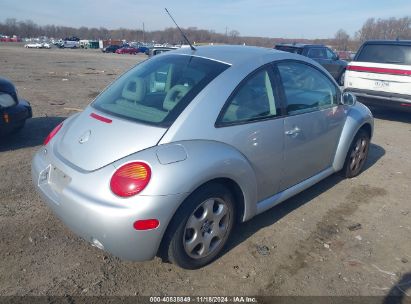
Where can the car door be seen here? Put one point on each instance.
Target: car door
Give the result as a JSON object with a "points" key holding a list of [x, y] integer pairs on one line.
{"points": [[252, 122], [332, 63], [313, 123], [324, 57]]}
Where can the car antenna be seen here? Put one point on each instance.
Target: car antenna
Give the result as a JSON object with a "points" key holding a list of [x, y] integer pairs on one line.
{"points": [[182, 33]]}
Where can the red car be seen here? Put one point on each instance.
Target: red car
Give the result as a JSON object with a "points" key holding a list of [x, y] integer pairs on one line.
{"points": [[127, 50]]}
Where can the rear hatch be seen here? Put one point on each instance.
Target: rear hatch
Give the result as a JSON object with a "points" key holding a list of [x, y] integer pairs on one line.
{"points": [[94, 140], [379, 77], [381, 68], [136, 110]]}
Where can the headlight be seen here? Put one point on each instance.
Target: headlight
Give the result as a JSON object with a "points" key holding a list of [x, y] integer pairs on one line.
{"points": [[6, 100]]}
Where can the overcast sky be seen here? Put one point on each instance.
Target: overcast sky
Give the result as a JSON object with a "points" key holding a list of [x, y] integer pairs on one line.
{"points": [[265, 18]]}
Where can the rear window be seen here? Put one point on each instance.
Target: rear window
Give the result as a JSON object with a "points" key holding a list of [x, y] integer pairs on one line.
{"points": [[385, 53], [289, 49], [156, 91]]}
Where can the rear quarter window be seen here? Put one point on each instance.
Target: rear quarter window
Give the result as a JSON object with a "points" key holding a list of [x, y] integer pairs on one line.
{"points": [[385, 53]]}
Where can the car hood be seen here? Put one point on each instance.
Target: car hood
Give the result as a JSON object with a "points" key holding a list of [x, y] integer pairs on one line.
{"points": [[91, 143]]}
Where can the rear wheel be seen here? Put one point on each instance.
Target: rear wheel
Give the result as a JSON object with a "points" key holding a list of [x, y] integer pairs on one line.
{"points": [[201, 227], [357, 154]]}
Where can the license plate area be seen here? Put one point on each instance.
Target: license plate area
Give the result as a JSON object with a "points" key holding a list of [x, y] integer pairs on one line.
{"points": [[54, 177], [381, 84], [44, 177]]}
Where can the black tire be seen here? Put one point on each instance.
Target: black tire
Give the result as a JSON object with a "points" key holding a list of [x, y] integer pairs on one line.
{"points": [[178, 244], [356, 155]]}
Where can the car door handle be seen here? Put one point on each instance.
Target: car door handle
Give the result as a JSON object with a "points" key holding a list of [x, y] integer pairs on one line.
{"points": [[293, 132]]}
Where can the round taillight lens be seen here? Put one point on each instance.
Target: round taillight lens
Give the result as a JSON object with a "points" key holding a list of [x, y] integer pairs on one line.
{"points": [[52, 133], [130, 179]]}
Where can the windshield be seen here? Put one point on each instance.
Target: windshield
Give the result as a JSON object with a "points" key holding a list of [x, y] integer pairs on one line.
{"points": [[290, 49], [156, 91], [385, 53]]}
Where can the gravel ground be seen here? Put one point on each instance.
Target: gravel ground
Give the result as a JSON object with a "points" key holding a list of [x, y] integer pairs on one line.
{"points": [[340, 237]]}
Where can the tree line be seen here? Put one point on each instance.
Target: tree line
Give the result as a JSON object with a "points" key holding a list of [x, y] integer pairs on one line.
{"points": [[391, 28], [374, 29]]}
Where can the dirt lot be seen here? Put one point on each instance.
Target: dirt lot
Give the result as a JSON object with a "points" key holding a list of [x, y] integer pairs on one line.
{"points": [[301, 247]]}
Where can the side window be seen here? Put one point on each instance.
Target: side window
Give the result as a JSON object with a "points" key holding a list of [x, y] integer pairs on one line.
{"points": [[330, 54], [306, 89], [318, 53], [253, 100]]}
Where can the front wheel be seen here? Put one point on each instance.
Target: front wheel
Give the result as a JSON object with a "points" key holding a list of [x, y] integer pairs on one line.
{"points": [[357, 154], [201, 227]]}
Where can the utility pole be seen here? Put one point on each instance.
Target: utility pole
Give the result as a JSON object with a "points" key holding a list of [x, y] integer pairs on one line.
{"points": [[144, 39]]}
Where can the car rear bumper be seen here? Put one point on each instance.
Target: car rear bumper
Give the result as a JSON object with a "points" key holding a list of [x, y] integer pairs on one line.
{"points": [[382, 99], [16, 116], [103, 223]]}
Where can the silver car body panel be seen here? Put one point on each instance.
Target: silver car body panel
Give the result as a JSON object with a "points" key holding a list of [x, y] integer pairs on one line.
{"points": [[358, 116], [190, 153], [310, 133], [107, 142]]}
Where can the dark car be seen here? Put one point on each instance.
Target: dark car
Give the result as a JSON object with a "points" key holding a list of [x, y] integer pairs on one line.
{"points": [[127, 50], [143, 49], [320, 53], [161, 49], [111, 48], [13, 111]]}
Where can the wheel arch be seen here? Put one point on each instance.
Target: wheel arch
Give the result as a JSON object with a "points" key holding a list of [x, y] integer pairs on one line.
{"points": [[225, 165], [359, 117], [239, 203]]}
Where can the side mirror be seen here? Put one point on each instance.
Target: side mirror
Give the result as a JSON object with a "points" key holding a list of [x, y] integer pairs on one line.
{"points": [[336, 57], [348, 99]]}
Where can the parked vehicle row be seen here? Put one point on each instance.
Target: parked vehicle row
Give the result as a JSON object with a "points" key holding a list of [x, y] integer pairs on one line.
{"points": [[378, 75], [125, 49]]}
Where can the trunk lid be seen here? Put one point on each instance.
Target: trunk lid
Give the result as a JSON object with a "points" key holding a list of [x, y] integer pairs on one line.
{"points": [[94, 142], [382, 77]]}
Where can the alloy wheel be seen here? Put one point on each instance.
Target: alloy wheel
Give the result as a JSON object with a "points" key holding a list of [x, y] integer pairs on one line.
{"points": [[206, 228]]}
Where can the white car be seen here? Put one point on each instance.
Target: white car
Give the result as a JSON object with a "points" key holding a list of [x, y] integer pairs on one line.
{"points": [[33, 45], [380, 74], [68, 44], [37, 45]]}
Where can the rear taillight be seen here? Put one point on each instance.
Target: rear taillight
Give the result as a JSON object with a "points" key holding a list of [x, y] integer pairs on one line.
{"points": [[52, 133], [130, 179]]}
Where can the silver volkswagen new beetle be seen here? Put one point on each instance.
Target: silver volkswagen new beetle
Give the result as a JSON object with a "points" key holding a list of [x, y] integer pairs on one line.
{"points": [[177, 150]]}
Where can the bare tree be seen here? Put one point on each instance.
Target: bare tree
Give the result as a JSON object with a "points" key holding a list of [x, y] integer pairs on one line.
{"points": [[341, 40], [391, 28]]}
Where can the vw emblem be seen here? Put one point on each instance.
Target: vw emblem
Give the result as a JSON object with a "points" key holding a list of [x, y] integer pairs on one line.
{"points": [[85, 137]]}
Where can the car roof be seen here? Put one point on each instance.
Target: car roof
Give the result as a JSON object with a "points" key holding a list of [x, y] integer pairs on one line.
{"points": [[6, 86], [300, 45], [232, 54], [391, 42]]}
